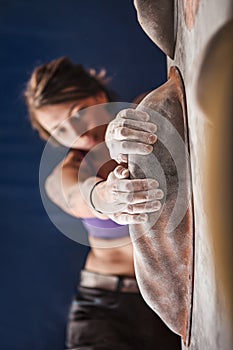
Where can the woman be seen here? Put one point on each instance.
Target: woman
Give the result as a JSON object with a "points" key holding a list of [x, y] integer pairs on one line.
{"points": [[108, 312]]}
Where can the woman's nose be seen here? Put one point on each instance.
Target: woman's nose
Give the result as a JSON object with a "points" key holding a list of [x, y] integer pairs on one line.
{"points": [[92, 134], [77, 125]]}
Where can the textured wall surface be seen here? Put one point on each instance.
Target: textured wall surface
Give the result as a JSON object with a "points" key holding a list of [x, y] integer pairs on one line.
{"points": [[210, 325]]}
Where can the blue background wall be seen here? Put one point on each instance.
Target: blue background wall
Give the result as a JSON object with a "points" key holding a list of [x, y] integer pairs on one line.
{"points": [[39, 266]]}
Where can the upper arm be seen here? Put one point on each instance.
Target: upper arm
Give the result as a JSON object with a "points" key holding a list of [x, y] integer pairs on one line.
{"points": [[65, 178], [70, 183]]}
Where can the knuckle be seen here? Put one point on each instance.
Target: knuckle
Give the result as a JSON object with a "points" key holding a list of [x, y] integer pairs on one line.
{"points": [[116, 215], [130, 208], [120, 123], [144, 185], [124, 131], [119, 158], [124, 123], [150, 205], [114, 186], [130, 197], [124, 145], [115, 195], [128, 186]]}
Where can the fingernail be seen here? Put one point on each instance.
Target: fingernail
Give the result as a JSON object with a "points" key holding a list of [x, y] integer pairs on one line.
{"points": [[154, 183], [159, 194], [152, 138], [148, 148], [155, 127], [120, 169], [157, 205], [124, 172], [144, 115]]}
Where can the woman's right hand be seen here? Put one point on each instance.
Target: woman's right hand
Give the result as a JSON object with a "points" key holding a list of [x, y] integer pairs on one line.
{"points": [[131, 132], [126, 201]]}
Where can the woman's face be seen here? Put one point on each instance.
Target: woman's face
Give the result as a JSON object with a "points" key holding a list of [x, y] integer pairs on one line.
{"points": [[73, 124]]}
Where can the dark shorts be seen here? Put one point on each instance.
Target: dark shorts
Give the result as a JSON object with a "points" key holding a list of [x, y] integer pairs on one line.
{"points": [[115, 320]]}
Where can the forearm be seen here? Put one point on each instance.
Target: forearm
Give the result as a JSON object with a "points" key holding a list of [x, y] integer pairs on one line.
{"points": [[79, 199], [73, 198]]}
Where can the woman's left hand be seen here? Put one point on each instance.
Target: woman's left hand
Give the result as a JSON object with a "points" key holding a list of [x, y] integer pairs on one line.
{"points": [[124, 200]]}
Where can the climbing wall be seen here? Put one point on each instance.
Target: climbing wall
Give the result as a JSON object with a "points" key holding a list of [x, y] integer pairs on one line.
{"points": [[197, 22], [188, 31]]}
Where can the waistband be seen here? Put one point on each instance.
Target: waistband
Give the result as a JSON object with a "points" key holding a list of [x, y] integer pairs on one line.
{"points": [[113, 283]]}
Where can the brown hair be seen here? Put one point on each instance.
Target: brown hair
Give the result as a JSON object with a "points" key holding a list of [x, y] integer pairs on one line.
{"points": [[60, 81]]}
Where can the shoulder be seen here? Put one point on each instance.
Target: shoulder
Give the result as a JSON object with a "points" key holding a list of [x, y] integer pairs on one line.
{"points": [[74, 157]]}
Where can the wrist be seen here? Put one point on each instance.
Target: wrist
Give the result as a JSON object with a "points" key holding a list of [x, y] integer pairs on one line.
{"points": [[92, 195], [89, 193]]}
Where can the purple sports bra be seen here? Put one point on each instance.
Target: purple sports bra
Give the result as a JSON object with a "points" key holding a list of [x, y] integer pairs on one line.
{"points": [[107, 229]]}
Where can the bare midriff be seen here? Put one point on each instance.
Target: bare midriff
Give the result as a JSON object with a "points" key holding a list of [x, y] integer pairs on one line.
{"points": [[114, 257]]}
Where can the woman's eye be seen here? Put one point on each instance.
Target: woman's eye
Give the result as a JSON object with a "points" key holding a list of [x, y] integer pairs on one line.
{"points": [[61, 130]]}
